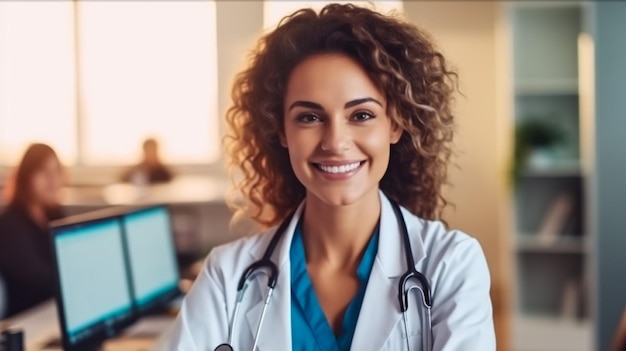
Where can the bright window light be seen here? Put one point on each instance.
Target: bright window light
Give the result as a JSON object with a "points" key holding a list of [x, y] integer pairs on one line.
{"points": [[275, 10], [148, 69], [37, 78]]}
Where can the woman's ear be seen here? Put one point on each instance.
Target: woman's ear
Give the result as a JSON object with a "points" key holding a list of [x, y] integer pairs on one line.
{"points": [[283, 139], [396, 133]]}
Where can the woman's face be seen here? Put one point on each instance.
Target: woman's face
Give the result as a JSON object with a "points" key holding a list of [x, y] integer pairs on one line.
{"points": [[47, 182], [337, 130]]}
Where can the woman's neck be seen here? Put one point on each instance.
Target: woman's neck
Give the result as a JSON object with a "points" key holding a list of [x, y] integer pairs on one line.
{"points": [[337, 236]]}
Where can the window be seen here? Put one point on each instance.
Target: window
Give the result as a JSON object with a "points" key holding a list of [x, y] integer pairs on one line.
{"points": [[93, 79], [275, 10], [154, 79], [37, 78]]}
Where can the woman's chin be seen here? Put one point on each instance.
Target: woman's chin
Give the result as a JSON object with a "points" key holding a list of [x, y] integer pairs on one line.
{"points": [[339, 198]]}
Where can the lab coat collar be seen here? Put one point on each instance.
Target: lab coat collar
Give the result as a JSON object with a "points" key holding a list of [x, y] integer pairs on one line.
{"points": [[380, 312], [278, 315], [390, 247], [281, 254]]}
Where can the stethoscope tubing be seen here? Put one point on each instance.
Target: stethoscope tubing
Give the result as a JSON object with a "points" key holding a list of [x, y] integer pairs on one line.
{"points": [[265, 266]]}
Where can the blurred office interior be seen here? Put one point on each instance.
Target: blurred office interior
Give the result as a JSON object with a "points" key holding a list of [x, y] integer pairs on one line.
{"points": [[538, 175]]}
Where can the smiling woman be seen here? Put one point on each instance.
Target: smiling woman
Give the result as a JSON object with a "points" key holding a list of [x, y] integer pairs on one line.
{"points": [[404, 73], [343, 134], [342, 127]]}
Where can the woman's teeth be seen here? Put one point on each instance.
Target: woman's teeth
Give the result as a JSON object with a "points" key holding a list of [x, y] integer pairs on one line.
{"points": [[339, 169]]}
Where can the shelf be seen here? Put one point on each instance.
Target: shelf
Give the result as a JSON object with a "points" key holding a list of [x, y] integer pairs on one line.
{"points": [[551, 334], [546, 87], [561, 244], [565, 169]]}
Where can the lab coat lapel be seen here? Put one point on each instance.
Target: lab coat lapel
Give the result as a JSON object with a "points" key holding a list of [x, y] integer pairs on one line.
{"points": [[380, 311], [276, 331]]}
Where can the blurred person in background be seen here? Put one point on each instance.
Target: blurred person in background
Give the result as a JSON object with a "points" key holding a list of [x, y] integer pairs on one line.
{"points": [[25, 248], [150, 169]]}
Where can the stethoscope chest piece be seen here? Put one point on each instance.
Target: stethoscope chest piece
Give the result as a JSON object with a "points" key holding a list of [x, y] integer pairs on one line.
{"points": [[224, 347]]}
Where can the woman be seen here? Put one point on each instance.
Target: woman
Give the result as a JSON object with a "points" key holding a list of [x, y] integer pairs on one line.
{"points": [[340, 115], [25, 250]]}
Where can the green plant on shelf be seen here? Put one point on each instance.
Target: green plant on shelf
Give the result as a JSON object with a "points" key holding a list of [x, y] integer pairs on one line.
{"points": [[534, 135]]}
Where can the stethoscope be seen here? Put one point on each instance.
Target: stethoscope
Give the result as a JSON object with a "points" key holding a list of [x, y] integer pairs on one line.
{"points": [[265, 266]]}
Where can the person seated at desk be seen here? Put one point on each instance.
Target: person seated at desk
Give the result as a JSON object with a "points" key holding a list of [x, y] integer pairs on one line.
{"points": [[25, 248], [150, 169]]}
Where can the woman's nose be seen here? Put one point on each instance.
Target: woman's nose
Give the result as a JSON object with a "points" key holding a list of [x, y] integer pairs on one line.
{"points": [[336, 137]]}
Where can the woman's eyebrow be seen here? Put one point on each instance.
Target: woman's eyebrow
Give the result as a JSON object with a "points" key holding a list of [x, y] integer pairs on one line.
{"points": [[362, 101], [307, 104], [316, 106]]}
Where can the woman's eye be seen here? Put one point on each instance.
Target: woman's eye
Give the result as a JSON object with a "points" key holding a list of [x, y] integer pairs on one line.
{"points": [[362, 116], [308, 118]]}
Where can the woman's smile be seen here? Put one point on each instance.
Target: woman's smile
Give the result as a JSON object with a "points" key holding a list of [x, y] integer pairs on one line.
{"points": [[338, 170]]}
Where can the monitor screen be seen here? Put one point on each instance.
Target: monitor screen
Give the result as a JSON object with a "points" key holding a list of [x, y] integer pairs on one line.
{"points": [[94, 287], [152, 256]]}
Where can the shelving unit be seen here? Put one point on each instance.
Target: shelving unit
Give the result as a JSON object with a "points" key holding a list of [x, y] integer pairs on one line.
{"points": [[531, 243], [540, 86], [551, 311], [563, 169]]}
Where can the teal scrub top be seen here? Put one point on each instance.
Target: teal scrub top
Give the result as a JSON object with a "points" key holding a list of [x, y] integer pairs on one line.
{"points": [[310, 330]]}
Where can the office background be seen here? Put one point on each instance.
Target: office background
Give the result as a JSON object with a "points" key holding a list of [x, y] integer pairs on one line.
{"points": [[94, 79]]}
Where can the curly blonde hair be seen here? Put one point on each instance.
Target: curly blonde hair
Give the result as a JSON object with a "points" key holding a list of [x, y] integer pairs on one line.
{"points": [[403, 63]]}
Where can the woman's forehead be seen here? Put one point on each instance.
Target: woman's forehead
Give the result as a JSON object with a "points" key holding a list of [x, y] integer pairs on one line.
{"points": [[331, 78]]}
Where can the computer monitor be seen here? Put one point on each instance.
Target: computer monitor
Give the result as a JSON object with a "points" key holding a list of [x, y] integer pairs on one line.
{"points": [[94, 294], [152, 257]]}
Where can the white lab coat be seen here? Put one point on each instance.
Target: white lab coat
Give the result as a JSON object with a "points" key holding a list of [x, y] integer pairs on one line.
{"points": [[452, 261]]}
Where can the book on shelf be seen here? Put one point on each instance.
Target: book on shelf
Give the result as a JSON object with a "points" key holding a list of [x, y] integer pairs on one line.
{"points": [[556, 218], [571, 300]]}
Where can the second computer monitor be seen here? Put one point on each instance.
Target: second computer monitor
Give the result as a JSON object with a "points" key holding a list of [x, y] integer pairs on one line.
{"points": [[152, 256]]}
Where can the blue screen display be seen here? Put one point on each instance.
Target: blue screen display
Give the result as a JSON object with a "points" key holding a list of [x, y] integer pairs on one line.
{"points": [[152, 255], [93, 277]]}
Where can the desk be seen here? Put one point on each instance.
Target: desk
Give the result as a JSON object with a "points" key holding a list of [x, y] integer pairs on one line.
{"points": [[181, 190], [40, 325], [199, 212]]}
